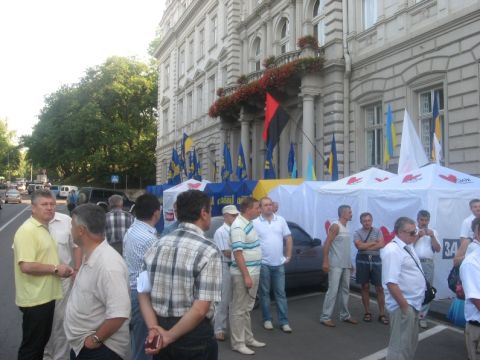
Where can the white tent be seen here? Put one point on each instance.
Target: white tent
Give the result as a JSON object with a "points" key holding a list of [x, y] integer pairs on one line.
{"points": [[283, 195], [170, 196]]}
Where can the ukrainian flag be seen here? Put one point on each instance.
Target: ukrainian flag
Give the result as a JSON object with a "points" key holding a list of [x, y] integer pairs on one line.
{"points": [[390, 136], [436, 130]]}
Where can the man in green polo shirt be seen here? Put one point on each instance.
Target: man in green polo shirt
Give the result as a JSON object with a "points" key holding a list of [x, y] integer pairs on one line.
{"points": [[37, 275]]}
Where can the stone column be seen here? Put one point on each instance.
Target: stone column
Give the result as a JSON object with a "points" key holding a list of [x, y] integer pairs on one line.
{"points": [[245, 139], [292, 25], [298, 19], [265, 42], [270, 39], [245, 54], [308, 128]]}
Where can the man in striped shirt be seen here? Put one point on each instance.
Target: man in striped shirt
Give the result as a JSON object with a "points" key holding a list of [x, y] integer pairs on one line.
{"points": [[245, 273], [185, 272], [138, 239]]}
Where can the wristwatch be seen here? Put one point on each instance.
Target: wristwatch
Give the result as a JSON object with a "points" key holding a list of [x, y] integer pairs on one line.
{"points": [[55, 270], [96, 339]]}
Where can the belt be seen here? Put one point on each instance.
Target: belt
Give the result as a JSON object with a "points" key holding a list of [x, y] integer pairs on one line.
{"points": [[426, 260], [474, 322]]}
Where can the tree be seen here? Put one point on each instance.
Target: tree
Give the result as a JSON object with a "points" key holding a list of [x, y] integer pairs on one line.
{"points": [[103, 125], [10, 156]]}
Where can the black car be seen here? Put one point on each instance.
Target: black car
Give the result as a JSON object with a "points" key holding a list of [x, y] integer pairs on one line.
{"points": [[100, 197], [305, 267]]}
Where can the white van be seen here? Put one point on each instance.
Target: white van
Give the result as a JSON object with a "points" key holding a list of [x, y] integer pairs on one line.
{"points": [[65, 190]]}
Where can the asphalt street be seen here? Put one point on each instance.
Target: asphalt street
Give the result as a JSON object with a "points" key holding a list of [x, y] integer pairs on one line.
{"points": [[309, 340]]}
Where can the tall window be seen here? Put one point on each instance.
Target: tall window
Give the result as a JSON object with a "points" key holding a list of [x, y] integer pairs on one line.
{"points": [[181, 61], [199, 100], [166, 75], [318, 21], [426, 99], [211, 89], [201, 42], [165, 121], [369, 13], [189, 107], [180, 119], [190, 51], [213, 31], [283, 35], [256, 50], [373, 132]]}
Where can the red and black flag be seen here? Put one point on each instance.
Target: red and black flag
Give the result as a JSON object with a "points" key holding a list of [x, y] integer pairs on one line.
{"points": [[275, 120]]}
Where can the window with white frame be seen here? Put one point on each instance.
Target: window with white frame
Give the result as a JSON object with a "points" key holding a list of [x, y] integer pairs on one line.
{"points": [[211, 89], [257, 53], [201, 42], [318, 21], [426, 99], [166, 75], [165, 121], [189, 107], [373, 134], [180, 120], [283, 40], [369, 13], [213, 30], [190, 51], [181, 61], [199, 100]]}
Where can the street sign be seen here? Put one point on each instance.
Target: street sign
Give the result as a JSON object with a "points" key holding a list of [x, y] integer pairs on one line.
{"points": [[115, 179]]}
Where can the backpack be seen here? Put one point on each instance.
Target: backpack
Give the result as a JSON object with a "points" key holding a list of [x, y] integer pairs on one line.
{"points": [[455, 283]]}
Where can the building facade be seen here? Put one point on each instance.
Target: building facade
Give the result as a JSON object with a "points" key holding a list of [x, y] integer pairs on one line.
{"points": [[376, 53]]}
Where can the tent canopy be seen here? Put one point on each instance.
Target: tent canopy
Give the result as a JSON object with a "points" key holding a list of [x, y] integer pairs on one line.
{"points": [[361, 180], [264, 186]]}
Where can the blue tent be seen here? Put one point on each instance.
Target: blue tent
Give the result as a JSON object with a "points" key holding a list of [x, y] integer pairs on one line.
{"points": [[228, 193]]}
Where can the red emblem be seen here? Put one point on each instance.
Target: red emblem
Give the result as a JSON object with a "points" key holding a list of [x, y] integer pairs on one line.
{"points": [[353, 180], [380, 180], [411, 178], [387, 235], [194, 186], [451, 178]]}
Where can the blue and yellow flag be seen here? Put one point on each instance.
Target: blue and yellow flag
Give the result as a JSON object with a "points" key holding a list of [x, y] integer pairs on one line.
{"points": [[174, 169], [241, 165], [269, 170], [196, 166], [292, 163], [390, 136], [185, 147], [332, 163], [436, 130], [310, 170], [226, 164]]}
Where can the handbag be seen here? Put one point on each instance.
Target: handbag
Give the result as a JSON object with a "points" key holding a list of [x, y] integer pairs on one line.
{"points": [[455, 283], [430, 291]]}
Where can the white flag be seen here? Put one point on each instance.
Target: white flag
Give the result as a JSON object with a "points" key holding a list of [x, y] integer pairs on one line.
{"points": [[412, 153], [438, 149]]}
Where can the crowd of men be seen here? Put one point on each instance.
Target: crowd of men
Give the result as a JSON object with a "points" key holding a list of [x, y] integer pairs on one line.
{"points": [[174, 296]]}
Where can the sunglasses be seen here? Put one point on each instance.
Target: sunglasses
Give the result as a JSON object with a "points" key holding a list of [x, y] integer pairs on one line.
{"points": [[411, 233]]}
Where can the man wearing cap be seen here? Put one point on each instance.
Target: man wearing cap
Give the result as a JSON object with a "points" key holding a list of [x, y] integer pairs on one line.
{"points": [[222, 239]]}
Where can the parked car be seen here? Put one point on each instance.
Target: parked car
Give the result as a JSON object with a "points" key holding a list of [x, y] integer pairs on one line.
{"points": [[65, 190], [305, 267], [32, 187], [55, 189], [13, 196], [100, 197]]}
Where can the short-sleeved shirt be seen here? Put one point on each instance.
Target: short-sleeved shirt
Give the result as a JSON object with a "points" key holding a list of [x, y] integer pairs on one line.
{"points": [[271, 235], [339, 254], [470, 273], [100, 292], [34, 244], [398, 267], [361, 234], [138, 239], [117, 223], [423, 246], [60, 228], [222, 240], [466, 229], [184, 266], [244, 238]]}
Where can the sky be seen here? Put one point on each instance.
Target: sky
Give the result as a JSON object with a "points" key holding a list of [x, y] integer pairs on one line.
{"points": [[49, 43]]}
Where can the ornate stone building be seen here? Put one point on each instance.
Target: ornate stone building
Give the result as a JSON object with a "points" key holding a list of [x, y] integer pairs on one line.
{"points": [[376, 53]]}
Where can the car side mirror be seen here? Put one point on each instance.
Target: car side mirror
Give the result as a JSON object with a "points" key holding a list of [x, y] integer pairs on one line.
{"points": [[316, 242]]}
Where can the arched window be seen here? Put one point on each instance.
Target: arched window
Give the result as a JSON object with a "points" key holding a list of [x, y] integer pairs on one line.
{"points": [[318, 21], [283, 34], [257, 53]]}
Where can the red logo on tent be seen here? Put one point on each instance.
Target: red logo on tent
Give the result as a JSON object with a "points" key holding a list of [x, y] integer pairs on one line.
{"points": [[411, 178], [194, 186], [451, 178], [380, 180], [327, 226], [387, 235], [353, 180]]}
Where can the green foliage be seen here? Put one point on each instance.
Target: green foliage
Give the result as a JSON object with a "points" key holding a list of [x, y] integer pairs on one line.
{"points": [[103, 125], [10, 155]]}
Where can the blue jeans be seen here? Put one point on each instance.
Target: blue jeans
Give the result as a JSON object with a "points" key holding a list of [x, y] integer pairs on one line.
{"points": [[102, 353], [198, 344], [138, 330], [273, 277]]}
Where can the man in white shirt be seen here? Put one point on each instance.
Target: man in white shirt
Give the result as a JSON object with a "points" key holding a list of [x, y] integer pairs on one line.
{"points": [[222, 239], [273, 230], [60, 228], [466, 233], [426, 245], [470, 273], [404, 287]]}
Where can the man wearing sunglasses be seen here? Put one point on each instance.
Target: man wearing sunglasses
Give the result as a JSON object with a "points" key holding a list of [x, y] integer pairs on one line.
{"points": [[404, 287]]}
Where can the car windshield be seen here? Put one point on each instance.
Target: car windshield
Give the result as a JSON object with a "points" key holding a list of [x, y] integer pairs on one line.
{"points": [[12, 192]]}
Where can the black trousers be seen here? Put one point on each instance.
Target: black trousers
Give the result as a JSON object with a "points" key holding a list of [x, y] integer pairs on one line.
{"points": [[36, 329]]}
